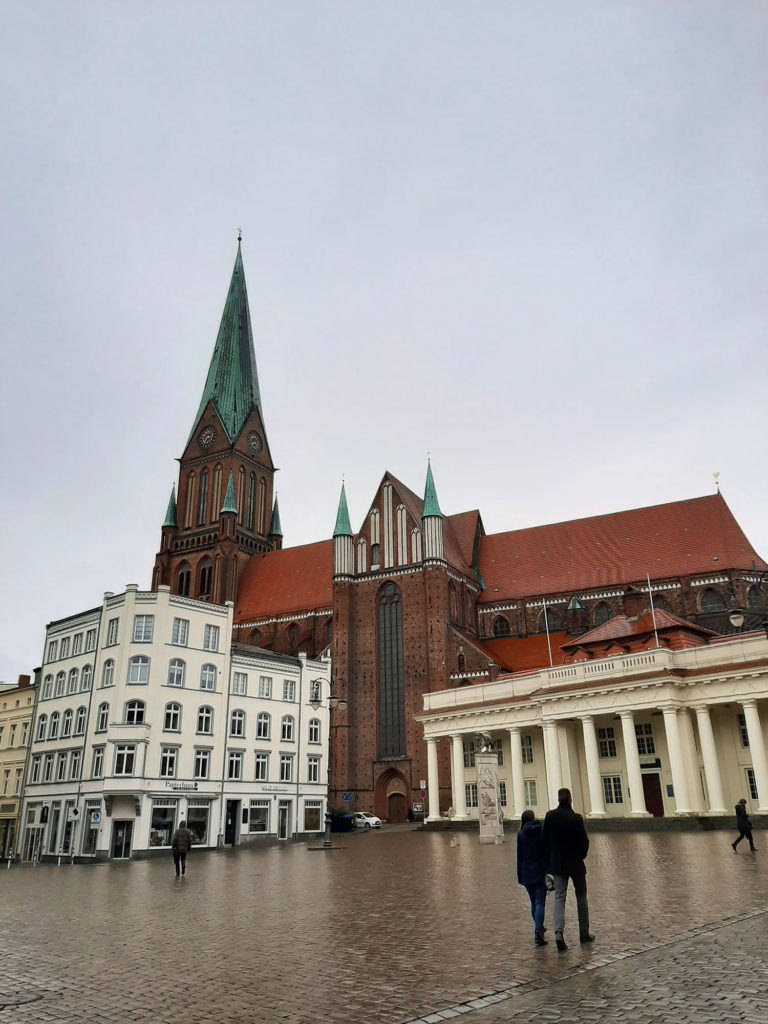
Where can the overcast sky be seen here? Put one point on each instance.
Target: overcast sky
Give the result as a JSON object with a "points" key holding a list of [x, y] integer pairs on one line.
{"points": [[530, 238]]}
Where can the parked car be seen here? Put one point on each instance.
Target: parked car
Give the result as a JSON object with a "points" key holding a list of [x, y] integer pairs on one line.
{"points": [[364, 819]]}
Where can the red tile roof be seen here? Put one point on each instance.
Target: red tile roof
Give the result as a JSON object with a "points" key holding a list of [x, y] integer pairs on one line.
{"points": [[622, 628], [287, 581], [680, 538], [527, 653]]}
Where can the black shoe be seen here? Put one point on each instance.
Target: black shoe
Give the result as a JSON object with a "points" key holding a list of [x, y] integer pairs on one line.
{"points": [[733, 847], [539, 940], [587, 937], [753, 849], [560, 941]]}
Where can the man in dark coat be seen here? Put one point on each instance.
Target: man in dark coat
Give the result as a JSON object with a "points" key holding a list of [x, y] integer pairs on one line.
{"points": [[744, 825], [566, 845], [182, 840], [531, 868]]}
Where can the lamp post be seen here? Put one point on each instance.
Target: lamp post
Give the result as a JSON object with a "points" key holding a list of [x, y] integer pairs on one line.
{"points": [[335, 700], [736, 616]]}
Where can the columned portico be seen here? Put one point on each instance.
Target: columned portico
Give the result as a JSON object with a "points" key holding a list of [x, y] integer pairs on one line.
{"points": [[709, 756], [596, 803], [690, 760], [757, 749], [676, 764], [433, 781], [634, 775], [516, 768], [554, 766], [457, 777]]}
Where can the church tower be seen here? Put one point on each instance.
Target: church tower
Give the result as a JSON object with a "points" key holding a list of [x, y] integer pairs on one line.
{"points": [[224, 511]]}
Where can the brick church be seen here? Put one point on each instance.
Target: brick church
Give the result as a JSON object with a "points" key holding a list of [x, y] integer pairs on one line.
{"points": [[415, 600]]}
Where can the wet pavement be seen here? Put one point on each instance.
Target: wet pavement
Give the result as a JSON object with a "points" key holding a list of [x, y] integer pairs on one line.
{"points": [[392, 926]]}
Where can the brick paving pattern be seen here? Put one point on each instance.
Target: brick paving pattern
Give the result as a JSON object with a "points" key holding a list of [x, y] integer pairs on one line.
{"points": [[395, 926]]}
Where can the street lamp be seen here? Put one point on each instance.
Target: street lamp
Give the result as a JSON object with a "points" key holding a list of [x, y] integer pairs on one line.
{"points": [[736, 616], [335, 700]]}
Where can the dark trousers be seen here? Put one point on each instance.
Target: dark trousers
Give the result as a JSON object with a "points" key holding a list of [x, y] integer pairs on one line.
{"points": [[745, 833], [537, 894], [180, 861]]}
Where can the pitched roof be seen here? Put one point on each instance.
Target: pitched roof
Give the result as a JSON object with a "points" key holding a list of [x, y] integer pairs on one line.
{"points": [[697, 535], [620, 627], [286, 581], [232, 383], [525, 653], [431, 504]]}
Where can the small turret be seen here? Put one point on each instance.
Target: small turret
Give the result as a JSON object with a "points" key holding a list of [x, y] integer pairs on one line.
{"points": [[432, 520], [275, 535], [343, 562]]}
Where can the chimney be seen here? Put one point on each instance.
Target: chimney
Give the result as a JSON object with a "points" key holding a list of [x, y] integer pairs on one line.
{"points": [[635, 602], [24, 681]]}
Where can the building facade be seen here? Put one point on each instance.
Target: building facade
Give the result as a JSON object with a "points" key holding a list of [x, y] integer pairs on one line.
{"points": [[16, 710], [146, 715]]}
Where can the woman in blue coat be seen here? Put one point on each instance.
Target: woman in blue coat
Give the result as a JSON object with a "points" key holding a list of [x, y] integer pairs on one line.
{"points": [[531, 868]]}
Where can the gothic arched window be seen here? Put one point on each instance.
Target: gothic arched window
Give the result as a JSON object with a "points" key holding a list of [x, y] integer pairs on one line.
{"points": [[216, 494], [190, 509], [602, 614], [251, 499], [202, 501], [661, 604], [182, 579], [711, 601], [391, 718], [204, 578], [501, 626]]}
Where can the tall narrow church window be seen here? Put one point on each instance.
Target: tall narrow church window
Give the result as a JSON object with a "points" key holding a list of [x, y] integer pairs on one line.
{"points": [[293, 637], [216, 495], [261, 523], [501, 626], [204, 578], [251, 500], [551, 619], [661, 604], [602, 614], [202, 501], [190, 509], [362, 556], [711, 601], [241, 495], [402, 536], [391, 732], [182, 580]]}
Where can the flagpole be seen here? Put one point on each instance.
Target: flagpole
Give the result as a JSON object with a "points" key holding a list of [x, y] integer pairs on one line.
{"points": [[546, 624], [653, 610]]}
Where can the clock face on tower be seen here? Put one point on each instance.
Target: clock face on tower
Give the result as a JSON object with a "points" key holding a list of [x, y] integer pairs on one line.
{"points": [[255, 443], [206, 437]]}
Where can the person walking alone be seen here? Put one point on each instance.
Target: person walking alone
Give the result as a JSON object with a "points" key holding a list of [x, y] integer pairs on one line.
{"points": [[181, 843], [744, 825], [531, 868], [565, 846]]}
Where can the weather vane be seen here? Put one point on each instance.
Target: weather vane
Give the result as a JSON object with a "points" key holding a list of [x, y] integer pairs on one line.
{"points": [[717, 481], [239, 234]]}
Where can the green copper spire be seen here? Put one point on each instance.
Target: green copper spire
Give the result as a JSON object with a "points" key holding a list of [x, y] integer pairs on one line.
{"points": [[431, 506], [342, 528], [232, 383], [170, 515], [229, 497], [274, 523]]}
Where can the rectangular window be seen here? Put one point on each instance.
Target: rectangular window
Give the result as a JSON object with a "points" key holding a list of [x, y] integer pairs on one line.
{"points": [[314, 730], [12, 735], [24, 733], [262, 767], [197, 822], [90, 640], [65, 647], [35, 770], [61, 767], [235, 765], [6, 781], [53, 650], [312, 812], [529, 788], [77, 643], [289, 690], [606, 742], [240, 683], [644, 734], [286, 767], [179, 632], [502, 793], [97, 764], [168, 759], [90, 830], [142, 629], [163, 822], [48, 768], [743, 734], [470, 791], [202, 764], [612, 789], [469, 753], [526, 743], [258, 819], [211, 638], [74, 764], [752, 785], [313, 768], [112, 632], [125, 758], [497, 749], [265, 686]]}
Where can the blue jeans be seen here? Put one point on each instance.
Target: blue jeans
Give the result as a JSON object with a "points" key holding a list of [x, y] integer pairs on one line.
{"points": [[538, 897], [582, 907]]}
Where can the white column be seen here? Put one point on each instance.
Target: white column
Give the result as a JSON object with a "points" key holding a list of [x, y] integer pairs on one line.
{"points": [[552, 756], [757, 750], [634, 775], [457, 777], [682, 804], [690, 760], [433, 781], [596, 803], [711, 766], [516, 768]]}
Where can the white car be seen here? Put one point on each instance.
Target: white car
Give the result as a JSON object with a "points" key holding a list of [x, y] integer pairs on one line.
{"points": [[363, 819]]}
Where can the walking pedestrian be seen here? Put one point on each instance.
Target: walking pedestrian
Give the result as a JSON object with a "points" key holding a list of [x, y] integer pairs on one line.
{"points": [[181, 843], [531, 869], [744, 825], [565, 846]]}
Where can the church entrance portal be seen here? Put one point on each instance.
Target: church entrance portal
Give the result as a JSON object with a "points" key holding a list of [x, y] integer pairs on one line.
{"points": [[391, 797]]}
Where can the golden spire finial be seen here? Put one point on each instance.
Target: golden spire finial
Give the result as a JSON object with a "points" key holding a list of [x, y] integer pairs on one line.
{"points": [[717, 481]]}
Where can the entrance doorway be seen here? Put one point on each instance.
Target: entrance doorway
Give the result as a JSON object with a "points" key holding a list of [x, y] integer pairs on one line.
{"points": [[654, 801], [122, 833], [230, 825], [32, 845], [396, 809], [283, 819]]}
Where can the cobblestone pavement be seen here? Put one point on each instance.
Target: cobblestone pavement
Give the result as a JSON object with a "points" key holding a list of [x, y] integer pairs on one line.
{"points": [[392, 926]]}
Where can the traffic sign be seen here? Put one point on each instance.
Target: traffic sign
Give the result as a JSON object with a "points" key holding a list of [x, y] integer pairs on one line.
{"points": [[346, 796]]}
